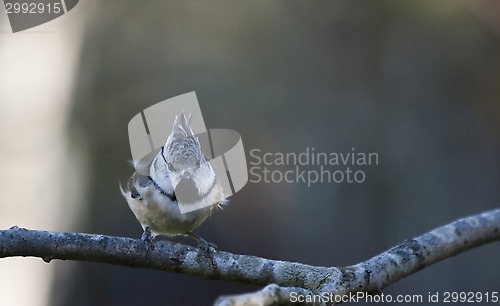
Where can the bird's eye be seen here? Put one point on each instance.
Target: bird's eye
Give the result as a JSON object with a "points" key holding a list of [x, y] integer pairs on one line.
{"points": [[135, 195]]}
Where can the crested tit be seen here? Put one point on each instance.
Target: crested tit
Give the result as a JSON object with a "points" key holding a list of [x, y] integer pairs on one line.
{"points": [[179, 165]]}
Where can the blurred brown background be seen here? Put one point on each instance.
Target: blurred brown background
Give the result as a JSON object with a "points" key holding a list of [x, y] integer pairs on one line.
{"points": [[418, 82]]}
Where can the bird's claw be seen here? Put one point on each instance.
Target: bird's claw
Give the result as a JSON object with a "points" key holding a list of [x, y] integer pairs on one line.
{"points": [[147, 239], [206, 246], [203, 244]]}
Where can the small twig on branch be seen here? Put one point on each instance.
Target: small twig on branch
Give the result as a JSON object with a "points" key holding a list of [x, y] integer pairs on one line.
{"points": [[270, 295], [285, 278]]}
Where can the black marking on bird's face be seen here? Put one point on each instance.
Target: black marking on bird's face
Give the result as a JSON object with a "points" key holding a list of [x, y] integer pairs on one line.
{"points": [[170, 195], [134, 194], [163, 155]]}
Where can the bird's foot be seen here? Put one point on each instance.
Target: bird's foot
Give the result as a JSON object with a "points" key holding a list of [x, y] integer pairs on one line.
{"points": [[203, 244], [147, 239], [206, 246]]}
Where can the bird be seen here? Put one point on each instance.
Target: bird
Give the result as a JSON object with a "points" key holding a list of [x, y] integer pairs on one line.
{"points": [[180, 165]]}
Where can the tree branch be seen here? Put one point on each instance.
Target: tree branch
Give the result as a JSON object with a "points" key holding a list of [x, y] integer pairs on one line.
{"points": [[370, 276]]}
